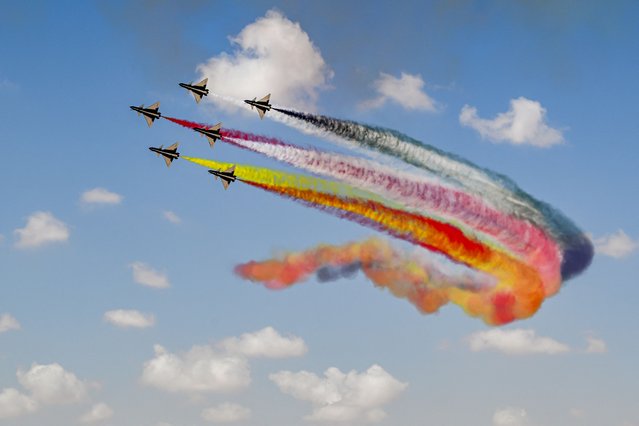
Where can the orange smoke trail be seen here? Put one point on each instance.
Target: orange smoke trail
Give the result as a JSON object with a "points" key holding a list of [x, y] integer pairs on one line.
{"points": [[519, 291], [407, 277]]}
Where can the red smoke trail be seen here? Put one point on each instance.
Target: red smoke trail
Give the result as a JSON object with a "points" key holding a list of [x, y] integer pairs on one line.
{"points": [[186, 123]]}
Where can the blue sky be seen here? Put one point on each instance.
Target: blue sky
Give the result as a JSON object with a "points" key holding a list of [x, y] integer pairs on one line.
{"points": [[70, 70]]}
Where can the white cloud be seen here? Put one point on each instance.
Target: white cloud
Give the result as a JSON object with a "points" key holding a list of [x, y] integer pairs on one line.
{"points": [[99, 412], [172, 217], [146, 275], [407, 91], [274, 55], [14, 404], [129, 318], [515, 342], [616, 245], [42, 228], [226, 413], [52, 384], [266, 343], [8, 322], [524, 123], [201, 369], [510, 417], [101, 196], [595, 345], [340, 397]]}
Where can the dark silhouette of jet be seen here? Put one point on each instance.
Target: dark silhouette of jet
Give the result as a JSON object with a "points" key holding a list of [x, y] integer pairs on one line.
{"points": [[150, 113], [198, 90], [169, 153], [262, 105], [212, 133], [227, 176]]}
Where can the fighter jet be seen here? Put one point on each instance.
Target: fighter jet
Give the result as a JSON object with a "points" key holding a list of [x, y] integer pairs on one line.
{"points": [[211, 133], [198, 90], [227, 176], [150, 113], [262, 105], [169, 153]]}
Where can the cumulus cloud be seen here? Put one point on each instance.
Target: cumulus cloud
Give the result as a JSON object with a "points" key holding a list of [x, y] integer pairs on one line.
{"points": [[273, 54], [146, 275], [406, 90], [514, 342], [201, 369], [52, 384], [129, 318], [8, 322], [595, 345], [100, 196], [342, 397], [172, 217], [42, 228], [523, 124], [267, 343], [14, 403], [510, 417], [615, 245], [226, 413], [98, 413]]}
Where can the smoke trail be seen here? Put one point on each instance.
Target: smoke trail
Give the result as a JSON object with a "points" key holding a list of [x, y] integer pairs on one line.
{"points": [[499, 189], [413, 192], [452, 205], [410, 277], [519, 292]]}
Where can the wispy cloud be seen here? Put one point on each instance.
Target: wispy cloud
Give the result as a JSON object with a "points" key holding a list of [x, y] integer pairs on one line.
{"points": [[406, 91], [8, 322], [596, 345], [100, 196], [342, 397], [8, 85], [523, 124], [290, 65], [145, 275], [617, 245], [172, 217], [98, 413], [226, 413], [267, 343], [515, 342], [510, 416], [129, 318], [42, 228]]}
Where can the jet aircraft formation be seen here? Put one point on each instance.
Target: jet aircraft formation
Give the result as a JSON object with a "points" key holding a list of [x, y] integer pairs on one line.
{"points": [[212, 133]]}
